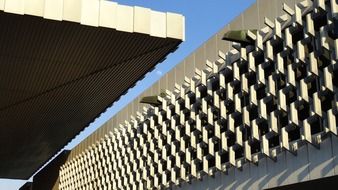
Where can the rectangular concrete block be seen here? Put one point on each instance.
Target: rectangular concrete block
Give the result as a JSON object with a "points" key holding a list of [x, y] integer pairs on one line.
{"points": [[34, 7], [53, 9], [108, 14], [175, 26], [72, 10], [160, 28], [2, 5], [15, 6], [125, 16], [142, 20]]}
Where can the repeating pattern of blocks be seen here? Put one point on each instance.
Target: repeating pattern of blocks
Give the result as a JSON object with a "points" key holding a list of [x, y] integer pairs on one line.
{"points": [[102, 13], [274, 95]]}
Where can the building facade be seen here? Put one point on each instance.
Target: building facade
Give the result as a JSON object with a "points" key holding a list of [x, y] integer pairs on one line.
{"points": [[253, 115], [62, 63]]}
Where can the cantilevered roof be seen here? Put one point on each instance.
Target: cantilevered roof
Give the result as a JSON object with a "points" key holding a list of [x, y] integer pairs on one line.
{"points": [[62, 63]]}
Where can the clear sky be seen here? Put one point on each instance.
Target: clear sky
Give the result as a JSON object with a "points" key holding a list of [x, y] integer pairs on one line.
{"points": [[203, 18]]}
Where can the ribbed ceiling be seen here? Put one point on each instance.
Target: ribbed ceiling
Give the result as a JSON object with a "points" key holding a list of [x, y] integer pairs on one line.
{"points": [[57, 77]]}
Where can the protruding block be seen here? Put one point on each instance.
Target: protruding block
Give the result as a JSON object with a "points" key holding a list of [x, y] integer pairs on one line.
{"points": [[53, 9]]}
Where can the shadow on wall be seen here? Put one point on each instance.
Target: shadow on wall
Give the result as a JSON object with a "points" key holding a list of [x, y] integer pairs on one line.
{"points": [[308, 164], [48, 177]]}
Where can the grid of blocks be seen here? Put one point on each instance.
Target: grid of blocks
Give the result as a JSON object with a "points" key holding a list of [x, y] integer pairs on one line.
{"points": [[257, 100]]}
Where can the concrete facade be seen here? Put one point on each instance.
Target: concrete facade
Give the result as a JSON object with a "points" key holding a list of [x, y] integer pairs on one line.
{"points": [[252, 18], [280, 128]]}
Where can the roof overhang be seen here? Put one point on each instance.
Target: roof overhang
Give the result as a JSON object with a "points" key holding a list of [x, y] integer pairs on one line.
{"points": [[62, 63]]}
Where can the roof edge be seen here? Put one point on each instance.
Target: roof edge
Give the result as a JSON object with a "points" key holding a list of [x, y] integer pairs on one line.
{"points": [[103, 13]]}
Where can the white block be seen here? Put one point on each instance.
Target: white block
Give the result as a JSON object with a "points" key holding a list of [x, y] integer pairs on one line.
{"points": [[331, 122], [15, 6], [288, 38], [334, 8], [125, 18], [175, 26], [142, 20], [108, 13], [310, 25], [158, 24], [317, 104], [2, 5], [34, 7], [328, 79], [53, 9], [90, 12], [72, 10], [298, 17]]}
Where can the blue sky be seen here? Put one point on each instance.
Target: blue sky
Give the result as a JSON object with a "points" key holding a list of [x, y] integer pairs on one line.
{"points": [[203, 18]]}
